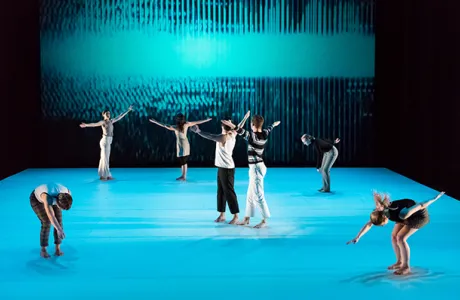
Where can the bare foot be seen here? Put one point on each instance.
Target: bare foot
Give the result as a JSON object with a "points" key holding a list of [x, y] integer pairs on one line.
{"points": [[110, 178], [261, 225], [395, 266], [402, 271], [44, 253], [244, 222], [233, 221], [220, 219], [58, 252], [102, 178]]}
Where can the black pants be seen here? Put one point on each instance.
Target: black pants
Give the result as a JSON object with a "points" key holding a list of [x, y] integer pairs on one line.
{"points": [[226, 191]]}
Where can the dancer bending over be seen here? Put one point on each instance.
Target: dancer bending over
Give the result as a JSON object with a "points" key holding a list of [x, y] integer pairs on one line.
{"points": [[326, 157], [409, 217], [106, 141], [225, 142], [182, 144], [257, 169], [48, 201]]}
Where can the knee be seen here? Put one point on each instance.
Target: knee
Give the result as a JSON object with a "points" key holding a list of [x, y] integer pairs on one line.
{"points": [[46, 224], [400, 239], [394, 237]]}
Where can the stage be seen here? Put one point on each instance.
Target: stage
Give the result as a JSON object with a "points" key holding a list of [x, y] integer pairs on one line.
{"points": [[146, 236]]}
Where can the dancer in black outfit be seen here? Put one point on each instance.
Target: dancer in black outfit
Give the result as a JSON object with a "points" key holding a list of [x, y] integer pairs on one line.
{"points": [[326, 157], [409, 217]]}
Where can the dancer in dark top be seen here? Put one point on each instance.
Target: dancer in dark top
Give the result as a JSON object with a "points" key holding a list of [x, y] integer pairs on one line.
{"points": [[409, 217], [257, 140], [326, 157]]}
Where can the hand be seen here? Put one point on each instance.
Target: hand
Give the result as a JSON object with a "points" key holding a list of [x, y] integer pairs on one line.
{"points": [[195, 129], [152, 121], [440, 195], [337, 140], [82, 125], [61, 234], [303, 138], [247, 114], [229, 124], [318, 170], [353, 241], [130, 108], [276, 123]]}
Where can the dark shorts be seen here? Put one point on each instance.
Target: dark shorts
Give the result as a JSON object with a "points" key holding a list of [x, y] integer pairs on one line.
{"points": [[418, 220], [182, 160]]}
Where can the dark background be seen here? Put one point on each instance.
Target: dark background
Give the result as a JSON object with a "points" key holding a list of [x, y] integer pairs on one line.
{"points": [[416, 99]]}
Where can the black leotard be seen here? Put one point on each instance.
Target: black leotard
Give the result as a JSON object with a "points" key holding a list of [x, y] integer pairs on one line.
{"points": [[417, 220]]}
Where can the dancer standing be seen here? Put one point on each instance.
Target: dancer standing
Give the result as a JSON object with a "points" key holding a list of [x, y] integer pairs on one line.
{"points": [[409, 217], [257, 169], [225, 143], [326, 157], [106, 141], [48, 201], [182, 144]]}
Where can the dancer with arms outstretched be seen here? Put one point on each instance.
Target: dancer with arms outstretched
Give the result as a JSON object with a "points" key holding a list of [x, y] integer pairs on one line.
{"points": [[408, 215], [256, 139], [225, 143], [182, 143], [106, 141]]}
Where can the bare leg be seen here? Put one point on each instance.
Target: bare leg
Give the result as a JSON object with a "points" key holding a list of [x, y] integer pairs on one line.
{"points": [[184, 172], [401, 239], [396, 229]]}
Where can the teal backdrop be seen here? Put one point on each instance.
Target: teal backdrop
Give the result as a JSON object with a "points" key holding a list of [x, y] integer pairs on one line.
{"points": [[309, 64]]}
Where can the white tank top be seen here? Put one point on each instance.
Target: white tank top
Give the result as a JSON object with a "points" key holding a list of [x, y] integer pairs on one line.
{"points": [[52, 189], [224, 153]]}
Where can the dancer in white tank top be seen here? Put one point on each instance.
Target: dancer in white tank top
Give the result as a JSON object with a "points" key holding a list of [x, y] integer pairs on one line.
{"points": [[106, 141], [225, 143]]}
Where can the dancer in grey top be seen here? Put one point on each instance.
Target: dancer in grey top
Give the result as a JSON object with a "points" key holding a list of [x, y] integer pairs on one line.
{"points": [[106, 141], [182, 144]]}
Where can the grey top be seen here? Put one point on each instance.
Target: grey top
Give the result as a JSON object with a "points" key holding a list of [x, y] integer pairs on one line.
{"points": [[182, 144], [107, 128]]}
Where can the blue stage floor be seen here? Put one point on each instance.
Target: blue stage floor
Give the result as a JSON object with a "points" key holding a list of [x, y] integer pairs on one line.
{"points": [[146, 236]]}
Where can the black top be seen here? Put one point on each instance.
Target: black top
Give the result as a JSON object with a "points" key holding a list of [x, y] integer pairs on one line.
{"points": [[396, 207], [322, 146]]}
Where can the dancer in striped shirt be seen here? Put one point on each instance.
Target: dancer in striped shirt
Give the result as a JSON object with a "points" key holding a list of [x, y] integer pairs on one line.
{"points": [[257, 170]]}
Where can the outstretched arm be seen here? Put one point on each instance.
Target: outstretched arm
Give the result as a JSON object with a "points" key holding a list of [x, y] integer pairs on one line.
{"points": [[116, 119], [270, 128], [246, 116], [362, 232], [169, 127], [407, 212], [218, 138], [97, 124], [190, 124]]}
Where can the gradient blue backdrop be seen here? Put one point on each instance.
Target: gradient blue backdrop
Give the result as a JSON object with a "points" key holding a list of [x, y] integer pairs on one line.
{"points": [[309, 64]]}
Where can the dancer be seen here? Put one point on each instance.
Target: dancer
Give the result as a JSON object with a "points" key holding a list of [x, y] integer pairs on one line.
{"points": [[257, 169], [106, 141], [409, 217], [225, 142], [182, 144], [48, 201], [326, 157]]}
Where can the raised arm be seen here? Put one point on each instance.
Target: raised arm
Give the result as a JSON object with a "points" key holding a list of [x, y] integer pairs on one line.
{"points": [[116, 119], [169, 127], [379, 204], [407, 212], [97, 124], [246, 116], [270, 128], [362, 232], [218, 138], [190, 124]]}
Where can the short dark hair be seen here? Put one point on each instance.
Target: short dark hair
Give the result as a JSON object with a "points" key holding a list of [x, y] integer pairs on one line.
{"points": [[258, 121], [105, 111], [64, 200]]}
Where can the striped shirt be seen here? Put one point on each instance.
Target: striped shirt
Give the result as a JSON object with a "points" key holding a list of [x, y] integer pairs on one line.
{"points": [[256, 143]]}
